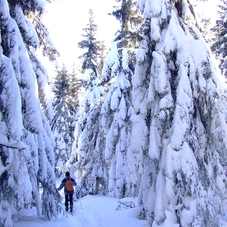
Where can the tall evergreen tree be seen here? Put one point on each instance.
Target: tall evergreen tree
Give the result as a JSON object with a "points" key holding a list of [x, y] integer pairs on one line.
{"points": [[220, 44], [127, 37], [130, 20], [90, 59], [46, 44], [116, 129], [48, 50], [26, 141], [43, 86], [108, 127], [85, 160], [63, 119], [87, 120], [74, 87], [180, 128], [116, 110]]}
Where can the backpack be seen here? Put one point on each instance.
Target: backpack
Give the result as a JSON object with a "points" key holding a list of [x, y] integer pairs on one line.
{"points": [[69, 185]]}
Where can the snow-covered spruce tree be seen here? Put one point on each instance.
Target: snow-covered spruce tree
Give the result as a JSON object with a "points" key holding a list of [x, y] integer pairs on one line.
{"points": [[48, 50], [130, 20], [74, 87], [220, 44], [115, 124], [26, 143], [90, 58], [43, 86], [116, 110], [180, 131], [63, 120], [84, 157], [92, 165]]}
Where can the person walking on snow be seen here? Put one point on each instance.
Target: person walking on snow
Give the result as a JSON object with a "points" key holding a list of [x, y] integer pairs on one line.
{"points": [[68, 183]]}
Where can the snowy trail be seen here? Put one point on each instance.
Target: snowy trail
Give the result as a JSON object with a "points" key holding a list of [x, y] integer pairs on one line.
{"points": [[98, 211]]}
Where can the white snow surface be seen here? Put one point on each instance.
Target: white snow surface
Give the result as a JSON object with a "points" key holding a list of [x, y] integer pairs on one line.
{"points": [[89, 211]]}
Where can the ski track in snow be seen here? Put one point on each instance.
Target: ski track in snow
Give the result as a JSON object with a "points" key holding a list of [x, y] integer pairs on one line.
{"points": [[91, 211]]}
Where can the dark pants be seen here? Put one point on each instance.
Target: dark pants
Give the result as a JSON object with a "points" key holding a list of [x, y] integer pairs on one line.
{"points": [[69, 201]]}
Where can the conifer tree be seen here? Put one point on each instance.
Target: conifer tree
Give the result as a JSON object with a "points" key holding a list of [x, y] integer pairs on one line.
{"points": [[87, 117], [46, 44], [90, 59], [130, 20], [110, 129], [178, 130], [116, 109], [63, 119], [26, 141], [74, 87], [108, 168], [48, 50], [220, 44], [43, 86], [116, 129], [84, 153]]}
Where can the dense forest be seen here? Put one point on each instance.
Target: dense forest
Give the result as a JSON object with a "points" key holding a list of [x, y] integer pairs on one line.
{"points": [[146, 118]]}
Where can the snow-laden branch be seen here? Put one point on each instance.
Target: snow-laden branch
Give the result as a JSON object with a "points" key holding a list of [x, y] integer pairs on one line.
{"points": [[12, 144]]}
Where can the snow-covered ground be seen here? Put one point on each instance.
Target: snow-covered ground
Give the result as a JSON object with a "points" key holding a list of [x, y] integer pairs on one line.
{"points": [[89, 211]]}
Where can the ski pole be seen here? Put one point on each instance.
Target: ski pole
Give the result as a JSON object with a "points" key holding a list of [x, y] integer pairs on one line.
{"points": [[79, 190], [80, 204]]}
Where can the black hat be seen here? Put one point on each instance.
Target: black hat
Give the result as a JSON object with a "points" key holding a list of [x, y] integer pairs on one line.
{"points": [[67, 174]]}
